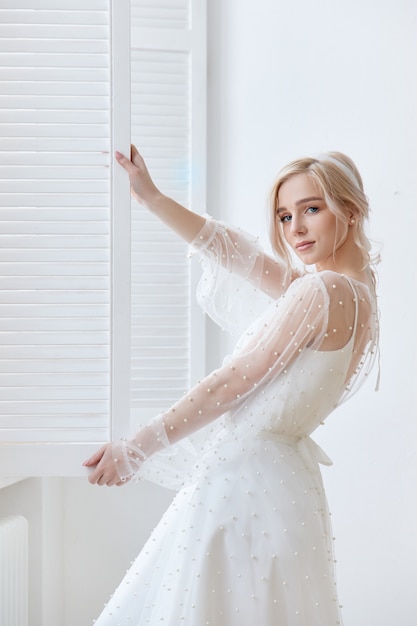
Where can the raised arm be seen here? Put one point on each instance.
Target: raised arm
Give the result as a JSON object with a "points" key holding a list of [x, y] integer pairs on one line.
{"points": [[181, 220], [233, 249]]}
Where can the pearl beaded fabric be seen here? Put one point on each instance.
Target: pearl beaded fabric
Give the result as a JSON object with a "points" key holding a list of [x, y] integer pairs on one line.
{"points": [[247, 538]]}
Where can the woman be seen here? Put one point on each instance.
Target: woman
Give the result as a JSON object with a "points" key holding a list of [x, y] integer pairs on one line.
{"points": [[247, 538]]}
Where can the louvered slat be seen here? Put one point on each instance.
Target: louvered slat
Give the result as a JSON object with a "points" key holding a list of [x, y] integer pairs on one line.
{"points": [[160, 14], [161, 124], [55, 220]]}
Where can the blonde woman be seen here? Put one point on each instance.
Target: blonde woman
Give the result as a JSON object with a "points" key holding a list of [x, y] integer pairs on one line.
{"points": [[247, 539]]}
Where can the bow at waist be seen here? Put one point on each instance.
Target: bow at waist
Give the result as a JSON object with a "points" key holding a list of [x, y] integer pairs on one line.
{"points": [[309, 450]]}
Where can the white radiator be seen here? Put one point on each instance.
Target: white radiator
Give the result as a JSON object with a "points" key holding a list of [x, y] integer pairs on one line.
{"points": [[13, 571]]}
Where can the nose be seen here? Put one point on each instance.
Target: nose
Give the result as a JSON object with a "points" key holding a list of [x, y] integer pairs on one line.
{"points": [[297, 225]]}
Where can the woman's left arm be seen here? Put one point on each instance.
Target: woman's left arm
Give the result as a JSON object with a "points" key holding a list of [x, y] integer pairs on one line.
{"points": [[295, 321]]}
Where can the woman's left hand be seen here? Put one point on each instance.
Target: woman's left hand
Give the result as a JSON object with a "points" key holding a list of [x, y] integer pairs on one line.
{"points": [[104, 472]]}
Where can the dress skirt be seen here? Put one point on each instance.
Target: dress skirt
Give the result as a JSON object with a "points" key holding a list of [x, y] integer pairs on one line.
{"points": [[247, 542]]}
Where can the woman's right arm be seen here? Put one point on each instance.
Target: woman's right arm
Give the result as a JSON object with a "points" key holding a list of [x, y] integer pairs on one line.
{"points": [[232, 249], [182, 221]]}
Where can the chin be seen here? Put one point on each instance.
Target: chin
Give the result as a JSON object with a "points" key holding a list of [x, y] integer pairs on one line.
{"points": [[306, 260]]}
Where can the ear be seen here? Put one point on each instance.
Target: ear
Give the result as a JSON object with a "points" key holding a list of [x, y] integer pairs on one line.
{"points": [[353, 214]]}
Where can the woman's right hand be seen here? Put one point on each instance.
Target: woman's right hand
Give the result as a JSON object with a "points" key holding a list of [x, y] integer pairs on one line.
{"points": [[103, 465], [143, 188]]}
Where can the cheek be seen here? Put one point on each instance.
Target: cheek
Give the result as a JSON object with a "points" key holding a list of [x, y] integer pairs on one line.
{"points": [[287, 238], [281, 233], [278, 228], [340, 232], [279, 224], [337, 233]]}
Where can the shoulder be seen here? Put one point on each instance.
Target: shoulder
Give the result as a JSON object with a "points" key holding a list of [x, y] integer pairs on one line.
{"points": [[306, 289], [342, 288], [332, 283], [309, 282], [327, 289]]}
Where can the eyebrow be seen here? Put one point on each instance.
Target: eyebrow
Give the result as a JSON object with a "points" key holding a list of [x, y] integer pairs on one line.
{"points": [[303, 201]]}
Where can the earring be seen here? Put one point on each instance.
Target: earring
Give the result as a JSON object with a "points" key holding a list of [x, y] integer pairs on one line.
{"points": [[352, 220]]}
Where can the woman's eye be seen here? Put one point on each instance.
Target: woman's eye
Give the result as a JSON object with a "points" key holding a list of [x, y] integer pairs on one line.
{"points": [[312, 209], [285, 218]]}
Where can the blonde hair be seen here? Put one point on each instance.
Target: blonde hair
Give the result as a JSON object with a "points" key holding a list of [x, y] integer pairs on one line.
{"points": [[339, 180]]}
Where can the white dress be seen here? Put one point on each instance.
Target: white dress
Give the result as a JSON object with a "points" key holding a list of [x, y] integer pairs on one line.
{"points": [[247, 538]]}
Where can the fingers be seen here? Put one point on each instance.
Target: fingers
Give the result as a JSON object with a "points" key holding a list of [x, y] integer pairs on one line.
{"points": [[135, 157], [107, 478], [96, 477], [95, 458], [104, 470], [124, 162], [101, 482], [142, 187], [100, 461], [111, 482]]}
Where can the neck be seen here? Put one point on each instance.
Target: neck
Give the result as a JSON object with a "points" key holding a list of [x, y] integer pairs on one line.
{"points": [[347, 259]]}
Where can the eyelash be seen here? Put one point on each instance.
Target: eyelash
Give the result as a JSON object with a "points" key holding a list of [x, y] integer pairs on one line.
{"points": [[284, 219]]}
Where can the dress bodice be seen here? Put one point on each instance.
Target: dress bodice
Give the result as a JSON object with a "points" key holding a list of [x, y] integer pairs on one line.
{"points": [[310, 343], [299, 400]]}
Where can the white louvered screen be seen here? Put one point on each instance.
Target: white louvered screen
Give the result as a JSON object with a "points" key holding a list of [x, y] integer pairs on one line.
{"points": [[65, 230], [164, 66], [55, 216], [55, 230], [170, 14]]}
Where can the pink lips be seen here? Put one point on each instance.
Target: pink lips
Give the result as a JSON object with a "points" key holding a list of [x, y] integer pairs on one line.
{"points": [[304, 245]]}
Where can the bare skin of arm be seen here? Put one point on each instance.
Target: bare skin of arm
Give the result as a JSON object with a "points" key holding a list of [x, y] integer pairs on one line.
{"points": [[184, 222], [179, 219]]}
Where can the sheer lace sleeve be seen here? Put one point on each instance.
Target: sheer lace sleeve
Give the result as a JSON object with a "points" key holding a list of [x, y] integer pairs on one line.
{"points": [[298, 320], [239, 279]]}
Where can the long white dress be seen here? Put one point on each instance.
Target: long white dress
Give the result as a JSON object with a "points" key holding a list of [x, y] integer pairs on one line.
{"points": [[247, 538]]}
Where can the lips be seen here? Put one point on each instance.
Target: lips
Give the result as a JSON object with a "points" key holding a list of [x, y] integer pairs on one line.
{"points": [[304, 245]]}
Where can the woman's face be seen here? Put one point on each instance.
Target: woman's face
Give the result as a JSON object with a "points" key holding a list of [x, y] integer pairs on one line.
{"points": [[308, 225]]}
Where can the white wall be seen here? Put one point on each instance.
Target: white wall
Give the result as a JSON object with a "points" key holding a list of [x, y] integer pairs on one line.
{"points": [[104, 530], [40, 501], [81, 541], [301, 77], [287, 79]]}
